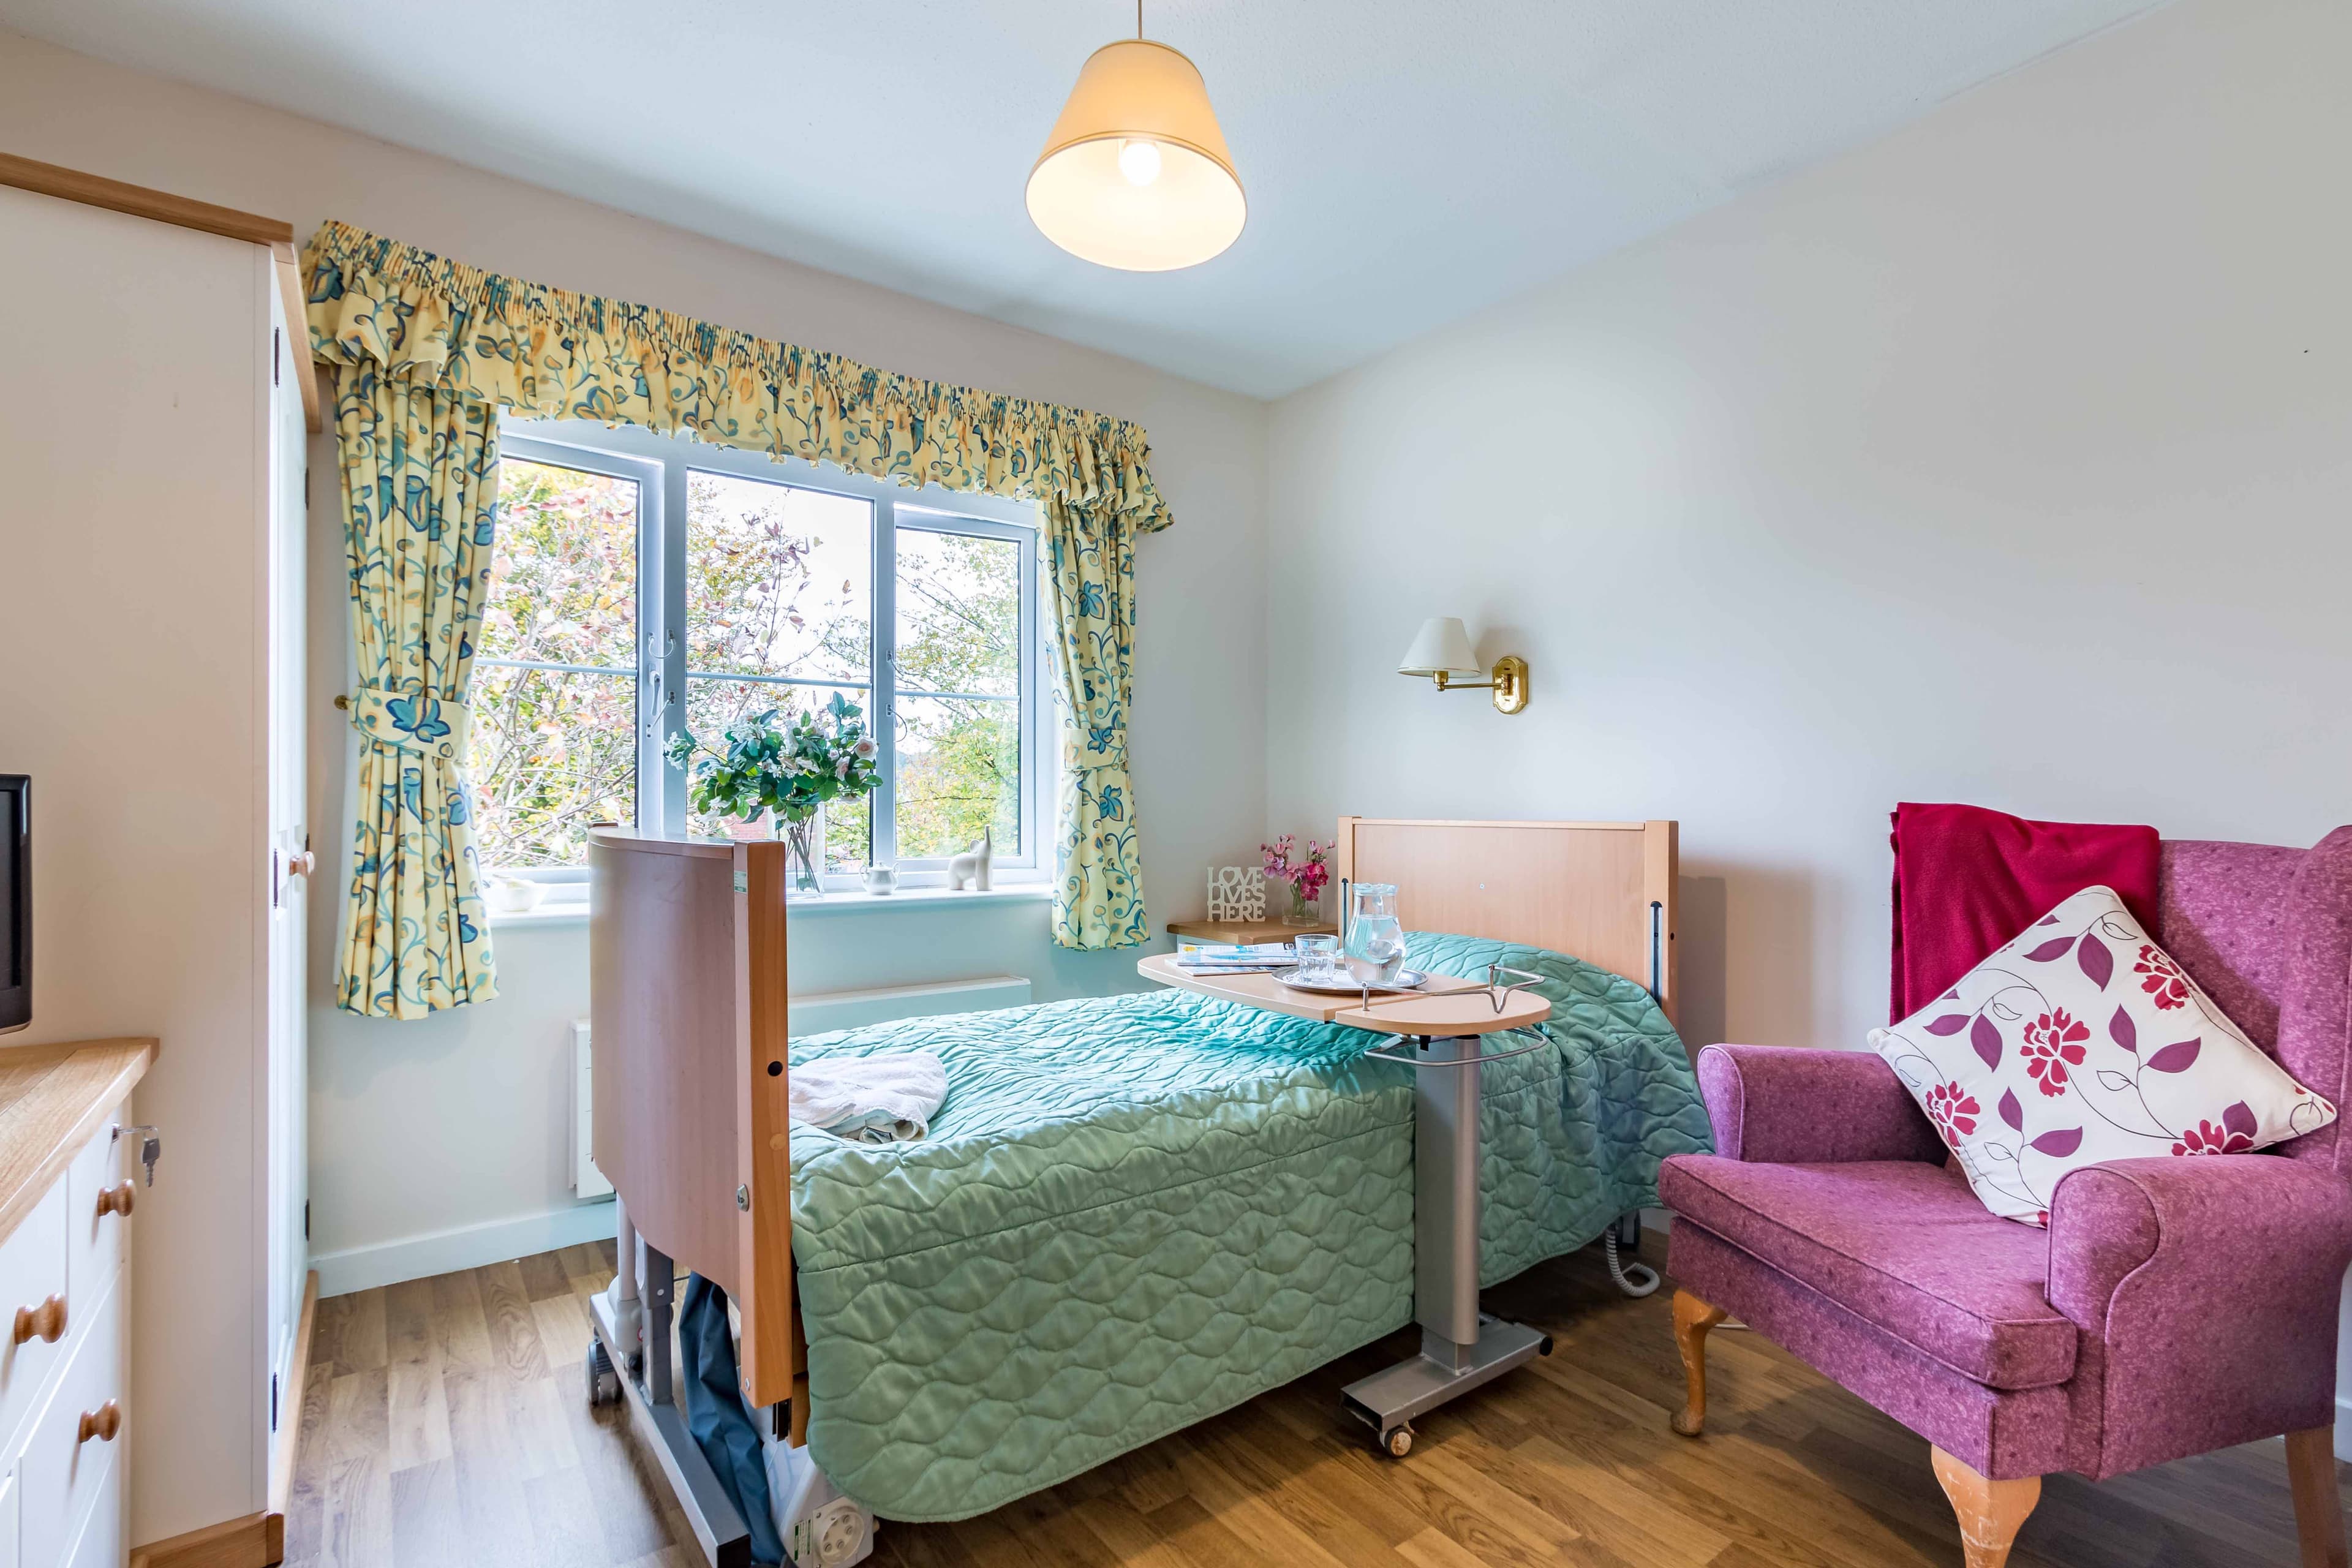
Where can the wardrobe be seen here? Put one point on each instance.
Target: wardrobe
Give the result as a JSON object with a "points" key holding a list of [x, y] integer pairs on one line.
{"points": [[152, 458]]}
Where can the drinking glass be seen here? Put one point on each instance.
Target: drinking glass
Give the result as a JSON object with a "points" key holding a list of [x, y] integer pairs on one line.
{"points": [[1319, 958]]}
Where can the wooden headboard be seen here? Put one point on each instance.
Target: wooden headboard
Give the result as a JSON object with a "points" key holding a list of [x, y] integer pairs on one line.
{"points": [[1601, 891]]}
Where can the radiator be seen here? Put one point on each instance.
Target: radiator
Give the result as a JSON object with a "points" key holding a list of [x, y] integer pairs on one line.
{"points": [[587, 1181]]}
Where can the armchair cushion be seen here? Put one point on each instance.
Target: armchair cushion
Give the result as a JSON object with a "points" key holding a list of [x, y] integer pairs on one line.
{"points": [[1775, 1104], [1903, 1245], [2081, 1042]]}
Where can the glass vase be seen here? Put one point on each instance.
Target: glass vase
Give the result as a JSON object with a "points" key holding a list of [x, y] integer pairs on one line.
{"points": [[805, 852], [1302, 911]]}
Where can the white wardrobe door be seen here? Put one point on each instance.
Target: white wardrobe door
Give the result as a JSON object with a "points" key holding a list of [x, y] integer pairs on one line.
{"points": [[133, 494]]}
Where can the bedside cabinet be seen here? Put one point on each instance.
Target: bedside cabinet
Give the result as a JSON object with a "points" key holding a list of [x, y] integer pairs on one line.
{"points": [[67, 1197]]}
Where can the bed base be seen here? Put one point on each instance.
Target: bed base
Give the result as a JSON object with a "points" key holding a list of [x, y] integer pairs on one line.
{"points": [[819, 1527], [645, 1384]]}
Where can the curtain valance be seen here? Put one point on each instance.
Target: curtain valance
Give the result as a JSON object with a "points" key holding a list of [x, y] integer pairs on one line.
{"points": [[555, 355]]}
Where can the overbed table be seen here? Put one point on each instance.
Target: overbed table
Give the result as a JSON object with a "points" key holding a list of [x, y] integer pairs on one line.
{"points": [[1445, 1038]]}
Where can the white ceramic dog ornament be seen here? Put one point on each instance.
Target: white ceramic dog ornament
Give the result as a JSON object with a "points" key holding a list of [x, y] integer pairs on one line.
{"points": [[970, 869]]}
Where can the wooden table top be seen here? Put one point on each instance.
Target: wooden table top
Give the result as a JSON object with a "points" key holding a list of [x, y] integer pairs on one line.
{"points": [[53, 1101], [1397, 1013]]}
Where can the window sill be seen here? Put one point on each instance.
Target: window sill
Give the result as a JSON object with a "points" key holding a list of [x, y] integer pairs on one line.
{"points": [[826, 908], [864, 903]]}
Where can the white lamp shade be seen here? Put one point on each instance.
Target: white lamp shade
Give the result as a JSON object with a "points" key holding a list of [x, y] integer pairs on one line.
{"points": [[1123, 213], [1443, 645]]}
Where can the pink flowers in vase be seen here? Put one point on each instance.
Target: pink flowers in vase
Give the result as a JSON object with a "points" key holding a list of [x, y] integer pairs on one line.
{"points": [[1307, 879]]}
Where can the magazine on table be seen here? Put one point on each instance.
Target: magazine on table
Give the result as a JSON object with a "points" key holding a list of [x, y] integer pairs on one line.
{"points": [[1246, 958]]}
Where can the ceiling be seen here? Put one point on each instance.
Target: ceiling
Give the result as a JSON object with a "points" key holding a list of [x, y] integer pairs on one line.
{"points": [[1406, 161]]}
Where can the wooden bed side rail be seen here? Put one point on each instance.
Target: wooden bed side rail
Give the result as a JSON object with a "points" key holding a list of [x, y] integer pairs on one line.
{"points": [[1603, 892], [692, 1104]]}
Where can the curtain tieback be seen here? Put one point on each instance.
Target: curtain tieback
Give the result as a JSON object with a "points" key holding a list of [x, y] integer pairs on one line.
{"points": [[1094, 753], [413, 722]]}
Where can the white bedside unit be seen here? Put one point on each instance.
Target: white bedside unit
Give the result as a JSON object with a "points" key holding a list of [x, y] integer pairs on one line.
{"points": [[69, 1188]]}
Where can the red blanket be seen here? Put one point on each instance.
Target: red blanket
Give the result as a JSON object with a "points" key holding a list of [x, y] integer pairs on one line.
{"points": [[1967, 879]]}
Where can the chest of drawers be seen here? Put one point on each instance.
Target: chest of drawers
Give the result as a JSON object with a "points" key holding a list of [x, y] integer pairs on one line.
{"points": [[68, 1194]]}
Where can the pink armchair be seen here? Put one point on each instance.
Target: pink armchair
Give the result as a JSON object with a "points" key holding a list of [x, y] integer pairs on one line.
{"points": [[2172, 1307]]}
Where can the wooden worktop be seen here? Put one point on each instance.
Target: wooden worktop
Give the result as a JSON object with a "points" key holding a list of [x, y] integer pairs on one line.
{"points": [[53, 1101], [1394, 1013]]}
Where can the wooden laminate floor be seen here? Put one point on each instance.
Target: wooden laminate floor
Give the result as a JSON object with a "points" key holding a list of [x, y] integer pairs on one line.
{"points": [[446, 1426]]}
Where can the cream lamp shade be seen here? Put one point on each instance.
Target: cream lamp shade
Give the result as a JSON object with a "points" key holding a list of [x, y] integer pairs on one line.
{"points": [[1136, 175], [1442, 649]]}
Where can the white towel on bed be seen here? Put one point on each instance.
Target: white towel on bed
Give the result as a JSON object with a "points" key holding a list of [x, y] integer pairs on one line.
{"points": [[883, 1099]]}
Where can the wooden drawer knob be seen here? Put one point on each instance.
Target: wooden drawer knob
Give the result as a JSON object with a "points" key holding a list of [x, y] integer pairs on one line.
{"points": [[115, 1199], [46, 1322], [102, 1422]]}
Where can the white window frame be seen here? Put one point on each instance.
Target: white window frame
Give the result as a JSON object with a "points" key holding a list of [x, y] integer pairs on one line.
{"points": [[660, 466]]}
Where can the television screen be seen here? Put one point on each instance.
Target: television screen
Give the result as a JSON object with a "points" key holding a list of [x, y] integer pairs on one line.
{"points": [[16, 901]]}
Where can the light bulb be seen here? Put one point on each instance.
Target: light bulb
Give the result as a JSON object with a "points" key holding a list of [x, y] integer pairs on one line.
{"points": [[1139, 162]]}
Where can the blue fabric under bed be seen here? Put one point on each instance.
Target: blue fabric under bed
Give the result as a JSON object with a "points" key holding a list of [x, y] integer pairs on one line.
{"points": [[1134, 1211]]}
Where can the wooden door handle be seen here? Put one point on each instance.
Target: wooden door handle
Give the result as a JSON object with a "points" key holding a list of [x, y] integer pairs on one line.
{"points": [[117, 1199], [46, 1322], [102, 1422]]}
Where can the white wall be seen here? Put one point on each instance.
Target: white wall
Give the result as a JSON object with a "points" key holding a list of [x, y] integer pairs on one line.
{"points": [[419, 1129], [2006, 460]]}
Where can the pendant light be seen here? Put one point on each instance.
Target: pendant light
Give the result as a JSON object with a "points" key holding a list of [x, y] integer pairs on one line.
{"points": [[1136, 175]]}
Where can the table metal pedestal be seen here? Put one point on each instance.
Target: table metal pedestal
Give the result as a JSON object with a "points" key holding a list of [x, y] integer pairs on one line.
{"points": [[1461, 1347]]}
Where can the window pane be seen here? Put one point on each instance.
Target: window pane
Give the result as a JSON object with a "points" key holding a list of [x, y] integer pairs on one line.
{"points": [[959, 612], [959, 772], [778, 580], [551, 753], [711, 706], [563, 578]]}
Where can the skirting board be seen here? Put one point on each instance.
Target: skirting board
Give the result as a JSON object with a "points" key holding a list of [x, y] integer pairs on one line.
{"points": [[446, 1251], [254, 1542]]}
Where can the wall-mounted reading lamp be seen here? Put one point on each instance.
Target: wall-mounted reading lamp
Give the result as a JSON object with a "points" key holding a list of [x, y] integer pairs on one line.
{"points": [[1442, 652]]}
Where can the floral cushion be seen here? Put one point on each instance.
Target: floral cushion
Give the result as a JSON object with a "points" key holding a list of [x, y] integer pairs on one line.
{"points": [[2081, 1042]]}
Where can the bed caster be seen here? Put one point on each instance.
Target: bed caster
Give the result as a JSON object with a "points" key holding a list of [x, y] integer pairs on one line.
{"points": [[1543, 1346], [1397, 1442], [603, 1382]]}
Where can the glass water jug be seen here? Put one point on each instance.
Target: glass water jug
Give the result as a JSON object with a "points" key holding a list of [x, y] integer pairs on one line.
{"points": [[1375, 950]]}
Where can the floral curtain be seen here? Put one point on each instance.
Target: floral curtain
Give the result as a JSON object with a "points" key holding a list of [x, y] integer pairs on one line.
{"points": [[1090, 576], [420, 490], [419, 320]]}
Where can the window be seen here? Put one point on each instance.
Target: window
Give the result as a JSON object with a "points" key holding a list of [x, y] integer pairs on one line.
{"points": [[641, 583]]}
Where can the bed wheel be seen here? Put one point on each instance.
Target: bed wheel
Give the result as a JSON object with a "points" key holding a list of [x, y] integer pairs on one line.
{"points": [[603, 1382], [1543, 1347], [1397, 1442]]}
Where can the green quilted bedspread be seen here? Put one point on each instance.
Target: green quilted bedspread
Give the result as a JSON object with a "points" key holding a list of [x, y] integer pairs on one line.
{"points": [[1135, 1211]]}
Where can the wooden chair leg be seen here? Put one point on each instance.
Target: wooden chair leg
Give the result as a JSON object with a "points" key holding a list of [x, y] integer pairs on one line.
{"points": [[1693, 1318], [1989, 1511], [2318, 1507]]}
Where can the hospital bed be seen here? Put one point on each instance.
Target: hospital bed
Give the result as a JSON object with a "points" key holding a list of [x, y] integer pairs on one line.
{"points": [[1134, 1211]]}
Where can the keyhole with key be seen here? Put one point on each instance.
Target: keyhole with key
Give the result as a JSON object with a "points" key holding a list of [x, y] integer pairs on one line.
{"points": [[151, 1146]]}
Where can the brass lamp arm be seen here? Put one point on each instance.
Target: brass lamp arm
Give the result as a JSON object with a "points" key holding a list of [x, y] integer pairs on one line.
{"points": [[1509, 684]]}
